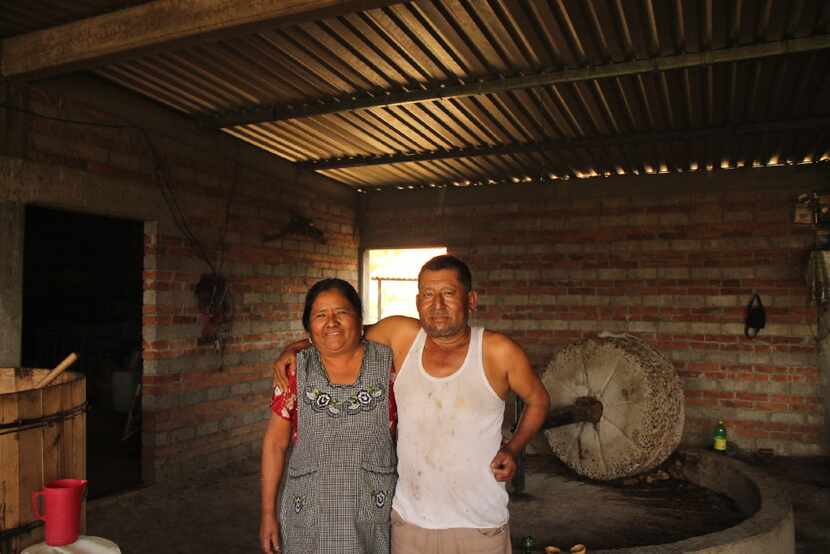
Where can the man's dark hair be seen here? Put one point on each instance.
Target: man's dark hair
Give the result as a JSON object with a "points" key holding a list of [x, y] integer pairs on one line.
{"points": [[446, 261], [341, 286]]}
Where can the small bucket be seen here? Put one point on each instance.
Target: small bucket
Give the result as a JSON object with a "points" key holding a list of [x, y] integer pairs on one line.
{"points": [[62, 510]]}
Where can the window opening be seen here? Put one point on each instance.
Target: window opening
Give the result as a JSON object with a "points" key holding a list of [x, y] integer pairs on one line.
{"points": [[391, 281]]}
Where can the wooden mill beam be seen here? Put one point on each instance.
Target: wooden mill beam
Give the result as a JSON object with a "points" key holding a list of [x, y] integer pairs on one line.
{"points": [[593, 142], [454, 89], [153, 26]]}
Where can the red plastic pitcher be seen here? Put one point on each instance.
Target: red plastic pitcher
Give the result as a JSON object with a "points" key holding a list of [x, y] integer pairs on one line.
{"points": [[62, 504]]}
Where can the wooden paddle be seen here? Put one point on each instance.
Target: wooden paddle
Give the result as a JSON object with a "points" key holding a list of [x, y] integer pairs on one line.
{"points": [[68, 361]]}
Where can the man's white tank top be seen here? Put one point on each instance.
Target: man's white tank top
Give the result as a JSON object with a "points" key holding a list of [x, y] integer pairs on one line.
{"points": [[449, 429]]}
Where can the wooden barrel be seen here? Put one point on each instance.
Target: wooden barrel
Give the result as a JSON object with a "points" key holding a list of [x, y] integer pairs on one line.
{"points": [[42, 438]]}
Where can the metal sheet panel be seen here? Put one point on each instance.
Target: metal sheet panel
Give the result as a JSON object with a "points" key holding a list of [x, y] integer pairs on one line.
{"points": [[432, 44]]}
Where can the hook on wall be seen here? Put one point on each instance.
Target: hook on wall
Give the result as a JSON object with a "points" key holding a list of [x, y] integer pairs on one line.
{"points": [[756, 316], [298, 225]]}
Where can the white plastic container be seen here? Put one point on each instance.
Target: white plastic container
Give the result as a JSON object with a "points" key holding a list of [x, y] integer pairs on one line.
{"points": [[84, 545]]}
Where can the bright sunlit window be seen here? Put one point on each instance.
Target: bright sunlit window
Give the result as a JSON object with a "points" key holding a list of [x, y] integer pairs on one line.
{"points": [[391, 281]]}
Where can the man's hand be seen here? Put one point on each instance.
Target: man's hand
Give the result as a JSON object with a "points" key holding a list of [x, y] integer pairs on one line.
{"points": [[286, 364], [503, 465], [269, 534], [511, 366]]}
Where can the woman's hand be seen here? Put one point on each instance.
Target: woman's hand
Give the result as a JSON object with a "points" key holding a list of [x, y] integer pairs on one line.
{"points": [[286, 364], [269, 534], [274, 444]]}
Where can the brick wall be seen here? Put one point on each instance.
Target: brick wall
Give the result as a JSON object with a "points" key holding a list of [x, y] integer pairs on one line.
{"points": [[672, 259], [201, 408]]}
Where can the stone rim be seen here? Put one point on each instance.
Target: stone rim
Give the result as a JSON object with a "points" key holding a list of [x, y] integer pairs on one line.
{"points": [[770, 526]]}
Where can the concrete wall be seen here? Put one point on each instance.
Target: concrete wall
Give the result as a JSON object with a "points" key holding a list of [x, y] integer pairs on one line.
{"points": [[201, 409], [11, 282], [673, 259]]}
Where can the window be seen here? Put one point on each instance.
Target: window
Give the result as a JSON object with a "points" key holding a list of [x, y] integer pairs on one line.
{"points": [[391, 281]]}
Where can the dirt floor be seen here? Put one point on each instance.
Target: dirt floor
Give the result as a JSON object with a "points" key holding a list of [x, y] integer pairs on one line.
{"points": [[217, 512]]}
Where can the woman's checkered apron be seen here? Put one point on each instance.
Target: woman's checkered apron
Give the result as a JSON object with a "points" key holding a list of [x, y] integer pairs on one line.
{"points": [[338, 487]]}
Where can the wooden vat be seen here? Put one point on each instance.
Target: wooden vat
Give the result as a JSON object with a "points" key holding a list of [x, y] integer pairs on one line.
{"points": [[42, 438]]}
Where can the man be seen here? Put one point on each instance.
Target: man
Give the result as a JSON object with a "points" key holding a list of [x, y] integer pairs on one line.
{"points": [[450, 388]]}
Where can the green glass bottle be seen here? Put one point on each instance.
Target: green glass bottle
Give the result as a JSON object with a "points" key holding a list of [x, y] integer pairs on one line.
{"points": [[528, 545], [719, 442]]}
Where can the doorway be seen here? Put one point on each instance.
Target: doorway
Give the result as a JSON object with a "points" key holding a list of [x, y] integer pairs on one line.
{"points": [[82, 292]]}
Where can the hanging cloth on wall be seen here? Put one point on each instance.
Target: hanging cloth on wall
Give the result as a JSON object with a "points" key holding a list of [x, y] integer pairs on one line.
{"points": [[756, 317]]}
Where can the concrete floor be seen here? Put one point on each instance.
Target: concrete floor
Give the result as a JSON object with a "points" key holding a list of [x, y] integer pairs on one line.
{"points": [[808, 480], [218, 511], [112, 465]]}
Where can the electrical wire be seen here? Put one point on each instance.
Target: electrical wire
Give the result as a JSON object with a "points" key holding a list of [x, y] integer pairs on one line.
{"points": [[228, 204], [8, 106], [170, 198]]}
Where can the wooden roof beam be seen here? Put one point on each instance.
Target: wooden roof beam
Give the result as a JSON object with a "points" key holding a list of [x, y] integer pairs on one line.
{"points": [[594, 142], [386, 98], [150, 27]]}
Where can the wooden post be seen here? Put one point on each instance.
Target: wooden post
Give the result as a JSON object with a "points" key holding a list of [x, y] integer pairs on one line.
{"points": [[584, 409]]}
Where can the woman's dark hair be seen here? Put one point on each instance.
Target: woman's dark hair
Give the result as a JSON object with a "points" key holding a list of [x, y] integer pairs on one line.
{"points": [[446, 261], [341, 286]]}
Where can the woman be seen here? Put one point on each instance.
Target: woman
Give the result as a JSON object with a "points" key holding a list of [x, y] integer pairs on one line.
{"points": [[336, 495]]}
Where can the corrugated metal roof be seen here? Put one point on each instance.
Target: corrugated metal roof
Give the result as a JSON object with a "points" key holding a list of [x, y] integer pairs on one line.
{"points": [[685, 113]]}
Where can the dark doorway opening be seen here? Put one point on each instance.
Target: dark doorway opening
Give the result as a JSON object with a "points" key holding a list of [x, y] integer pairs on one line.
{"points": [[82, 293]]}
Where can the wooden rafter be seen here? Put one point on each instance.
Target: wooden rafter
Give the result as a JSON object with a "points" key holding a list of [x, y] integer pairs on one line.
{"points": [[594, 142], [454, 89], [150, 27]]}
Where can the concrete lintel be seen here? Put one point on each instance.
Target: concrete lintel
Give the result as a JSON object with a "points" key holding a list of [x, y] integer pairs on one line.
{"points": [[748, 178], [433, 202], [25, 182]]}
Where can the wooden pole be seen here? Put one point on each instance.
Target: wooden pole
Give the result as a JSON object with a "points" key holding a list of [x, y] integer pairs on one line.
{"points": [[584, 409], [68, 361]]}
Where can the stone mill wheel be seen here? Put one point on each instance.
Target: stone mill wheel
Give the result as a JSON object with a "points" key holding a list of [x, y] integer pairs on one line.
{"points": [[631, 402]]}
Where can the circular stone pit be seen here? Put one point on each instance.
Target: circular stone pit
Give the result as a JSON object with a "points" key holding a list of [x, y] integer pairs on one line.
{"points": [[744, 511]]}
